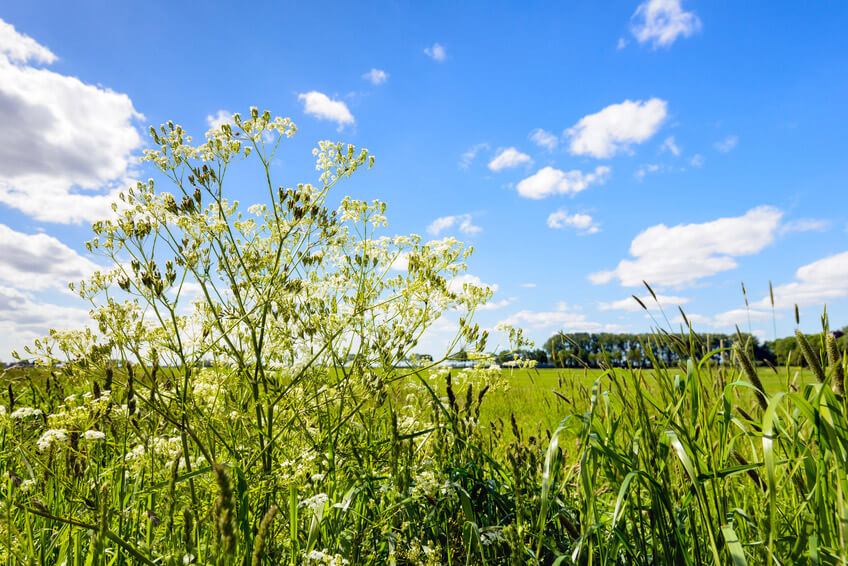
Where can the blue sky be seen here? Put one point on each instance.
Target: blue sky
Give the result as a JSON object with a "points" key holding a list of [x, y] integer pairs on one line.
{"points": [[579, 148]]}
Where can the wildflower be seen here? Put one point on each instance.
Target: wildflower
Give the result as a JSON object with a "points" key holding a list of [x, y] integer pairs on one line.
{"points": [[94, 435], [321, 557], [25, 412], [315, 502], [53, 435]]}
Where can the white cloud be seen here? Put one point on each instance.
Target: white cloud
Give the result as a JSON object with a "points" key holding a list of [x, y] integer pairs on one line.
{"points": [[805, 225], [816, 283], [456, 284], [622, 43], [322, 107], [437, 52], [697, 160], [65, 146], [39, 261], [670, 145], [544, 139], [529, 285], [726, 144], [509, 157], [683, 254], [616, 127], [630, 305], [23, 319], [401, 262], [220, 118], [463, 222], [20, 48], [549, 181], [496, 305], [661, 22], [726, 320], [560, 318], [376, 76], [469, 156], [584, 223]]}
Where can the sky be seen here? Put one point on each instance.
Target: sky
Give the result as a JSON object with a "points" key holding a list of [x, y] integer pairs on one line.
{"points": [[579, 148]]}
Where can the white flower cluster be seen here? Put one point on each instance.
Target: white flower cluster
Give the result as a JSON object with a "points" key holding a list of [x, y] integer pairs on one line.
{"points": [[54, 435], [315, 502], [25, 413], [323, 558]]}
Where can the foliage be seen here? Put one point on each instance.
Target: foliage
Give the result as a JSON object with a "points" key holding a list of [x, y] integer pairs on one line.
{"points": [[578, 349]]}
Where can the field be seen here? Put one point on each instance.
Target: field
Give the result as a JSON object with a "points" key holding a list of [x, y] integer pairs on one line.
{"points": [[532, 400]]}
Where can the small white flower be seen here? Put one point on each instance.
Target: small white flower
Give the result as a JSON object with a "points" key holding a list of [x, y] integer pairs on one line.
{"points": [[94, 435]]}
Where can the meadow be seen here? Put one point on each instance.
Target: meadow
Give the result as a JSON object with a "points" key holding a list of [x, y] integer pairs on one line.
{"points": [[541, 397], [242, 397]]}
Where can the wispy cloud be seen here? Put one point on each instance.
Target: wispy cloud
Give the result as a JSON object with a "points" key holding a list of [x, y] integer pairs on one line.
{"points": [[670, 145], [468, 157], [463, 223], [726, 144]]}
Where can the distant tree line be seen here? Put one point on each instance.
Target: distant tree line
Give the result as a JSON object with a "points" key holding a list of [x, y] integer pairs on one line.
{"points": [[576, 349]]}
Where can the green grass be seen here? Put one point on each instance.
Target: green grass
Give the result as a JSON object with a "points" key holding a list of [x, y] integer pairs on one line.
{"points": [[676, 465], [532, 393]]}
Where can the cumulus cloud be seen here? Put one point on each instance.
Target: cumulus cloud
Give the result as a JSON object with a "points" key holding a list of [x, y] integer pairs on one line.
{"points": [[616, 127], [630, 305], [323, 107], [401, 262], [584, 223], [376, 76], [509, 157], [670, 145], [20, 48], [726, 144], [549, 181], [39, 261], [544, 139], [661, 22], [815, 284], [66, 147], [463, 222], [681, 255], [437, 52]]}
